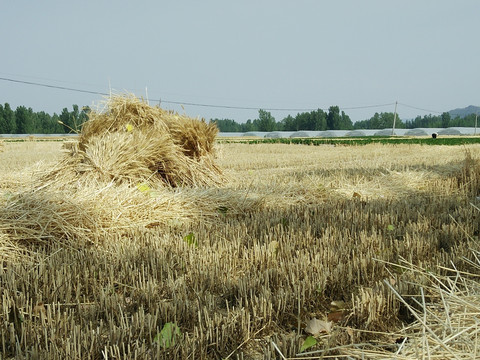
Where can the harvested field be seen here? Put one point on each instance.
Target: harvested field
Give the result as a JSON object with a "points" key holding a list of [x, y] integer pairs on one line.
{"points": [[237, 269]]}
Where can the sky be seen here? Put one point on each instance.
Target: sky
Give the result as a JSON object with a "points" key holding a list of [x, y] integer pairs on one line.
{"points": [[227, 59]]}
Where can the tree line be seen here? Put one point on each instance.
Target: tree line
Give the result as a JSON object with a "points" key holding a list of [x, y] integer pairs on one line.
{"points": [[336, 120], [24, 120], [442, 121], [385, 120]]}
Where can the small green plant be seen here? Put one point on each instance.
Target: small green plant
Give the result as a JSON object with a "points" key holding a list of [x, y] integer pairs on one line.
{"points": [[190, 239], [308, 343], [169, 334]]}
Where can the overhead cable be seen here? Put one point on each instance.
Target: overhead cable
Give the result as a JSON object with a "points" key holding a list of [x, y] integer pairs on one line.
{"points": [[207, 105], [418, 108]]}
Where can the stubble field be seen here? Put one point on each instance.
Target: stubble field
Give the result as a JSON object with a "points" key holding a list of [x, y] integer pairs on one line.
{"points": [[296, 233]]}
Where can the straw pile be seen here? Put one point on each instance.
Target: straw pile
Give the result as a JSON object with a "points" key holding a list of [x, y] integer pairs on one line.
{"points": [[134, 167], [130, 141]]}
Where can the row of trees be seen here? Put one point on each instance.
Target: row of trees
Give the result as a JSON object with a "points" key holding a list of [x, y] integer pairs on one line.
{"points": [[24, 120], [441, 121], [334, 119], [385, 120]]}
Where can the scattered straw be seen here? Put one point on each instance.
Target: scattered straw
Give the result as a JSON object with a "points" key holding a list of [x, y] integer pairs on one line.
{"points": [[447, 319], [89, 215]]}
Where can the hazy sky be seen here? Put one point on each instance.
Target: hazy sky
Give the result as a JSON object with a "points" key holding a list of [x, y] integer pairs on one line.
{"points": [[297, 54]]}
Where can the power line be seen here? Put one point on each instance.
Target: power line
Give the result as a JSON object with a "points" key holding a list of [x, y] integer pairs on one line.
{"points": [[233, 107], [367, 106], [417, 108], [53, 86], [188, 103]]}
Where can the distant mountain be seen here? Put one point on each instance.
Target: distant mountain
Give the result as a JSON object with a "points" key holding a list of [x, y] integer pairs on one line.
{"points": [[464, 111]]}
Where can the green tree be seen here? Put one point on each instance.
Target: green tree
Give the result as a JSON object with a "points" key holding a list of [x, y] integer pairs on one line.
{"points": [[383, 120], [333, 118], [72, 121], [226, 125], [468, 120], [399, 124], [248, 126], [66, 121], [84, 114], [279, 126], [266, 122], [256, 125], [410, 124], [9, 116], [362, 124], [44, 123], [345, 122], [320, 120], [386, 121], [289, 123], [304, 121], [374, 122], [23, 121], [427, 121], [75, 118], [445, 119], [32, 125], [56, 126], [3, 123]]}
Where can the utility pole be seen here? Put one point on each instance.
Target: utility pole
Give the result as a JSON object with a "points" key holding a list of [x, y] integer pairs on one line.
{"points": [[394, 118], [476, 117]]}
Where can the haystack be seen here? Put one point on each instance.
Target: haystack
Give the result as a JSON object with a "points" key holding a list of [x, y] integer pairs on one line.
{"points": [[134, 168], [130, 141]]}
